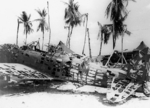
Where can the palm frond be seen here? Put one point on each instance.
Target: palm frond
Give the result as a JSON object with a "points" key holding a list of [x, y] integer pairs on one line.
{"points": [[21, 19], [24, 16], [128, 32], [99, 33], [99, 24], [126, 15], [106, 38], [44, 13], [100, 30], [107, 31], [66, 3], [30, 23], [39, 12], [39, 26], [76, 4], [66, 14], [114, 42], [29, 17], [72, 15], [20, 22], [42, 21], [117, 12], [25, 20], [38, 20], [127, 1], [108, 9]]}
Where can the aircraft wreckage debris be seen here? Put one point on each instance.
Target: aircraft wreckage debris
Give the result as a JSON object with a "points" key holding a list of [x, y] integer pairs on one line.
{"points": [[122, 83]]}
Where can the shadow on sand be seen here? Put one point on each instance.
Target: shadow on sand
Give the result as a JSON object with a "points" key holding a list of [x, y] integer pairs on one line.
{"points": [[30, 87], [46, 86]]}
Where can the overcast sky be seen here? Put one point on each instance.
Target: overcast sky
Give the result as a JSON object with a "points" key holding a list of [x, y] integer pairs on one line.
{"points": [[138, 22]]}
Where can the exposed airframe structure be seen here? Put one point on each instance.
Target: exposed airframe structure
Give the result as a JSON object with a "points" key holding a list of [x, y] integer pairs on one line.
{"points": [[52, 66]]}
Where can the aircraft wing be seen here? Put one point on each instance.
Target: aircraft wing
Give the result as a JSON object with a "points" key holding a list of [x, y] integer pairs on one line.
{"points": [[16, 72]]}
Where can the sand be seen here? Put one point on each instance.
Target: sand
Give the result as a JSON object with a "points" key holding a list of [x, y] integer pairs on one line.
{"points": [[59, 95]]}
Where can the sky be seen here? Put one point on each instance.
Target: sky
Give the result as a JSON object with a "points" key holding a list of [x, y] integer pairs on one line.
{"points": [[138, 23]]}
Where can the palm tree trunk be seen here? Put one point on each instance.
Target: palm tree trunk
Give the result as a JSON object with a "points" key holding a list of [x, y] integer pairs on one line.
{"points": [[17, 32], [101, 44], [70, 36], [114, 35], [85, 34], [49, 23], [90, 54], [43, 40], [84, 44], [38, 43], [122, 49], [26, 39]]}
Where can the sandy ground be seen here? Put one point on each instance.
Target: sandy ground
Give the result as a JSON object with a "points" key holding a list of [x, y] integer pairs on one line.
{"points": [[56, 94], [52, 98]]}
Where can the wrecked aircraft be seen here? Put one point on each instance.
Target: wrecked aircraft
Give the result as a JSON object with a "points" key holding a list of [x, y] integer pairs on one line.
{"points": [[64, 64]]}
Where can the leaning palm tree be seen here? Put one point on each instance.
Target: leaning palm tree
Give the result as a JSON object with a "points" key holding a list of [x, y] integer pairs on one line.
{"points": [[42, 22], [17, 31], [88, 34], [72, 17], [49, 23], [25, 20], [85, 20]]}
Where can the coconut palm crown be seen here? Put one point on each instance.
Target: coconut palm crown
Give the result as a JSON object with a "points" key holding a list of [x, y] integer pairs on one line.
{"points": [[42, 22], [117, 12], [72, 16], [25, 20]]}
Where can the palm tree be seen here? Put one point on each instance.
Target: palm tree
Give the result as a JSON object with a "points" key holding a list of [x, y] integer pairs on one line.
{"points": [[107, 33], [25, 20], [72, 17], [90, 52], [86, 20], [104, 34], [17, 31], [42, 22], [49, 23], [67, 27], [118, 13]]}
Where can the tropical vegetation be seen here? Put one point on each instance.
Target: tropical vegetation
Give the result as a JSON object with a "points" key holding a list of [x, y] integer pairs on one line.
{"points": [[42, 22], [116, 11], [25, 20], [72, 17], [103, 33]]}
